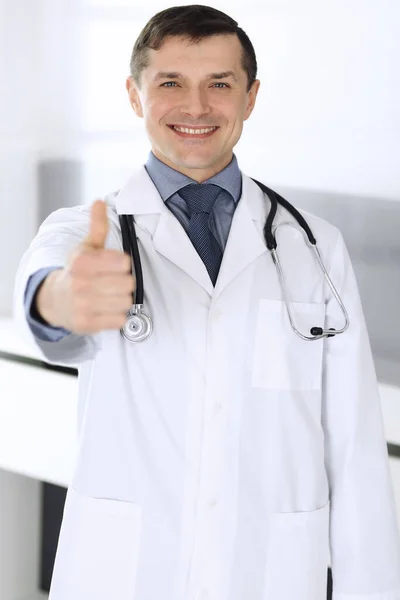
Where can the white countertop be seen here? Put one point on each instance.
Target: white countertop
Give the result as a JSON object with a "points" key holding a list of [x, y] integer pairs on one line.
{"points": [[11, 341], [37, 414]]}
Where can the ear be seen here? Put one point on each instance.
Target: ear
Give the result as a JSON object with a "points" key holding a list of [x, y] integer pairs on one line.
{"points": [[134, 97], [251, 100]]}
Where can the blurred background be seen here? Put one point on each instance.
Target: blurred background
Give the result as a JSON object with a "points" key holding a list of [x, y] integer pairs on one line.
{"points": [[325, 134]]}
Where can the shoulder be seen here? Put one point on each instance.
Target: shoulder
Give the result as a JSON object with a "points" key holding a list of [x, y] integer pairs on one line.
{"points": [[321, 228], [80, 213], [327, 235], [73, 222]]}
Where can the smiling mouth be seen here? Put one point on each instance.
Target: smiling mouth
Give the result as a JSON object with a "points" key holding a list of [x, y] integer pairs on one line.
{"points": [[191, 132]]}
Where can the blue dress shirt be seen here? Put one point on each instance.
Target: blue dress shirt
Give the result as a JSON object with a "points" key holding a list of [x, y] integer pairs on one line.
{"points": [[168, 182]]}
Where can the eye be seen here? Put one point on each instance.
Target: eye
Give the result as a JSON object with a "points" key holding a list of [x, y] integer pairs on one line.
{"points": [[166, 84], [221, 83]]}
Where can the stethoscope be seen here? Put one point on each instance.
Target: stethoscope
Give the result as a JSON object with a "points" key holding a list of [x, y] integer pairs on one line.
{"points": [[139, 325]]}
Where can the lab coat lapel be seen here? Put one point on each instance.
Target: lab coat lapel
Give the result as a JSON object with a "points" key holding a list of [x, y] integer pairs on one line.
{"points": [[245, 241], [141, 198], [172, 241]]}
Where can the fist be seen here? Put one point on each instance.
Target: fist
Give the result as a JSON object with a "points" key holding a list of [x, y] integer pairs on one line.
{"points": [[94, 290]]}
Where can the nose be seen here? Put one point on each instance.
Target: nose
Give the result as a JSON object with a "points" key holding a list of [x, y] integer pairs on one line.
{"points": [[196, 103]]}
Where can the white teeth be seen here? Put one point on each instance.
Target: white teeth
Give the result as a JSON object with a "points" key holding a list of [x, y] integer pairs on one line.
{"points": [[194, 131]]}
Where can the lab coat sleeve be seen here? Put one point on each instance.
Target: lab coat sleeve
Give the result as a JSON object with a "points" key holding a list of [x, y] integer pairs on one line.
{"points": [[56, 237], [364, 531]]}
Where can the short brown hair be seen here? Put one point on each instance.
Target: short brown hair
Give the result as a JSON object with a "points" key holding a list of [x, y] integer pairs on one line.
{"points": [[194, 22]]}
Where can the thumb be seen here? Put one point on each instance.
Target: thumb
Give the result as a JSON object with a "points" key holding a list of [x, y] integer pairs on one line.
{"points": [[98, 228]]}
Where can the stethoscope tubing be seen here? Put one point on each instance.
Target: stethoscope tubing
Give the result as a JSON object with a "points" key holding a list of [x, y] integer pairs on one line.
{"points": [[141, 321], [130, 246]]}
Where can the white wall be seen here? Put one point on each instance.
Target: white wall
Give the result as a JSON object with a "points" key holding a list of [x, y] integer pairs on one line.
{"points": [[39, 115], [18, 149], [327, 117], [329, 109]]}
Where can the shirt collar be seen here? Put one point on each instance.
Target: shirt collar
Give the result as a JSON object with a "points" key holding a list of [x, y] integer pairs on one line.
{"points": [[168, 181]]}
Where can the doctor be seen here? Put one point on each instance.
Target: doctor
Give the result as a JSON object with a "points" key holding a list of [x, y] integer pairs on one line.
{"points": [[224, 458]]}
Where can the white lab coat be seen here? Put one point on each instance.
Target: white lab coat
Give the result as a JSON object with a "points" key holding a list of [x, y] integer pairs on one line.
{"points": [[224, 458]]}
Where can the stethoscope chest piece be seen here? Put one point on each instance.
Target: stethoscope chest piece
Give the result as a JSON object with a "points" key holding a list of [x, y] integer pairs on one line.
{"points": [[138, 326]]}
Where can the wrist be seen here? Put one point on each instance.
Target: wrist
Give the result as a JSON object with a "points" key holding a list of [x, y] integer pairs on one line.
{"points": [[45, 301]]}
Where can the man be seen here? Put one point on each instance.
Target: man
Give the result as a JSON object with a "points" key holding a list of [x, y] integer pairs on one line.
{"points": [[224, 457]]}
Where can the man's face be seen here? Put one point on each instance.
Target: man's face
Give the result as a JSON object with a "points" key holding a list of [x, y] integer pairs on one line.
{"points": [[195, 86]]}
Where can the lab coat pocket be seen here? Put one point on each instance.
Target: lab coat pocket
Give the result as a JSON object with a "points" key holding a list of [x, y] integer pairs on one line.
{"points": [[298, 556], [98, 549], [281, 359]]}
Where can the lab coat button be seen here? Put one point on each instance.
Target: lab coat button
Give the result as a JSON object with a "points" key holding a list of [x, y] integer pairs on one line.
{"points": [[217, 314], [217, 407], [210, 504]]}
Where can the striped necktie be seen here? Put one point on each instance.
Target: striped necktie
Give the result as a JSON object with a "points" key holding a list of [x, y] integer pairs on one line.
{"points": [[200, 199]]}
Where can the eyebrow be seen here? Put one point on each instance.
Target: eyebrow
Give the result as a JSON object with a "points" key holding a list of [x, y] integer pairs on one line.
{"points": [[175, 75]]}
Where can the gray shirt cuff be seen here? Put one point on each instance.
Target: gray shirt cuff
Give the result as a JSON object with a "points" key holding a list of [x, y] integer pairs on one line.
{"points": [[39, 327]]}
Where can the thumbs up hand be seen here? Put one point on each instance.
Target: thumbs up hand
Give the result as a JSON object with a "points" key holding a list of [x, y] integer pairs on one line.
{"points": [[94, 290]]}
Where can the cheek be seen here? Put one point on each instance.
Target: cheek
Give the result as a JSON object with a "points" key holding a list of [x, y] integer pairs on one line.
{"points": [[232, 109], [156, 109], [235, 117]]}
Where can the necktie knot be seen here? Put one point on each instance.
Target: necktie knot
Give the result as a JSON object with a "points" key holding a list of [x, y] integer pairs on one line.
{"points": [[200, 197]]}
